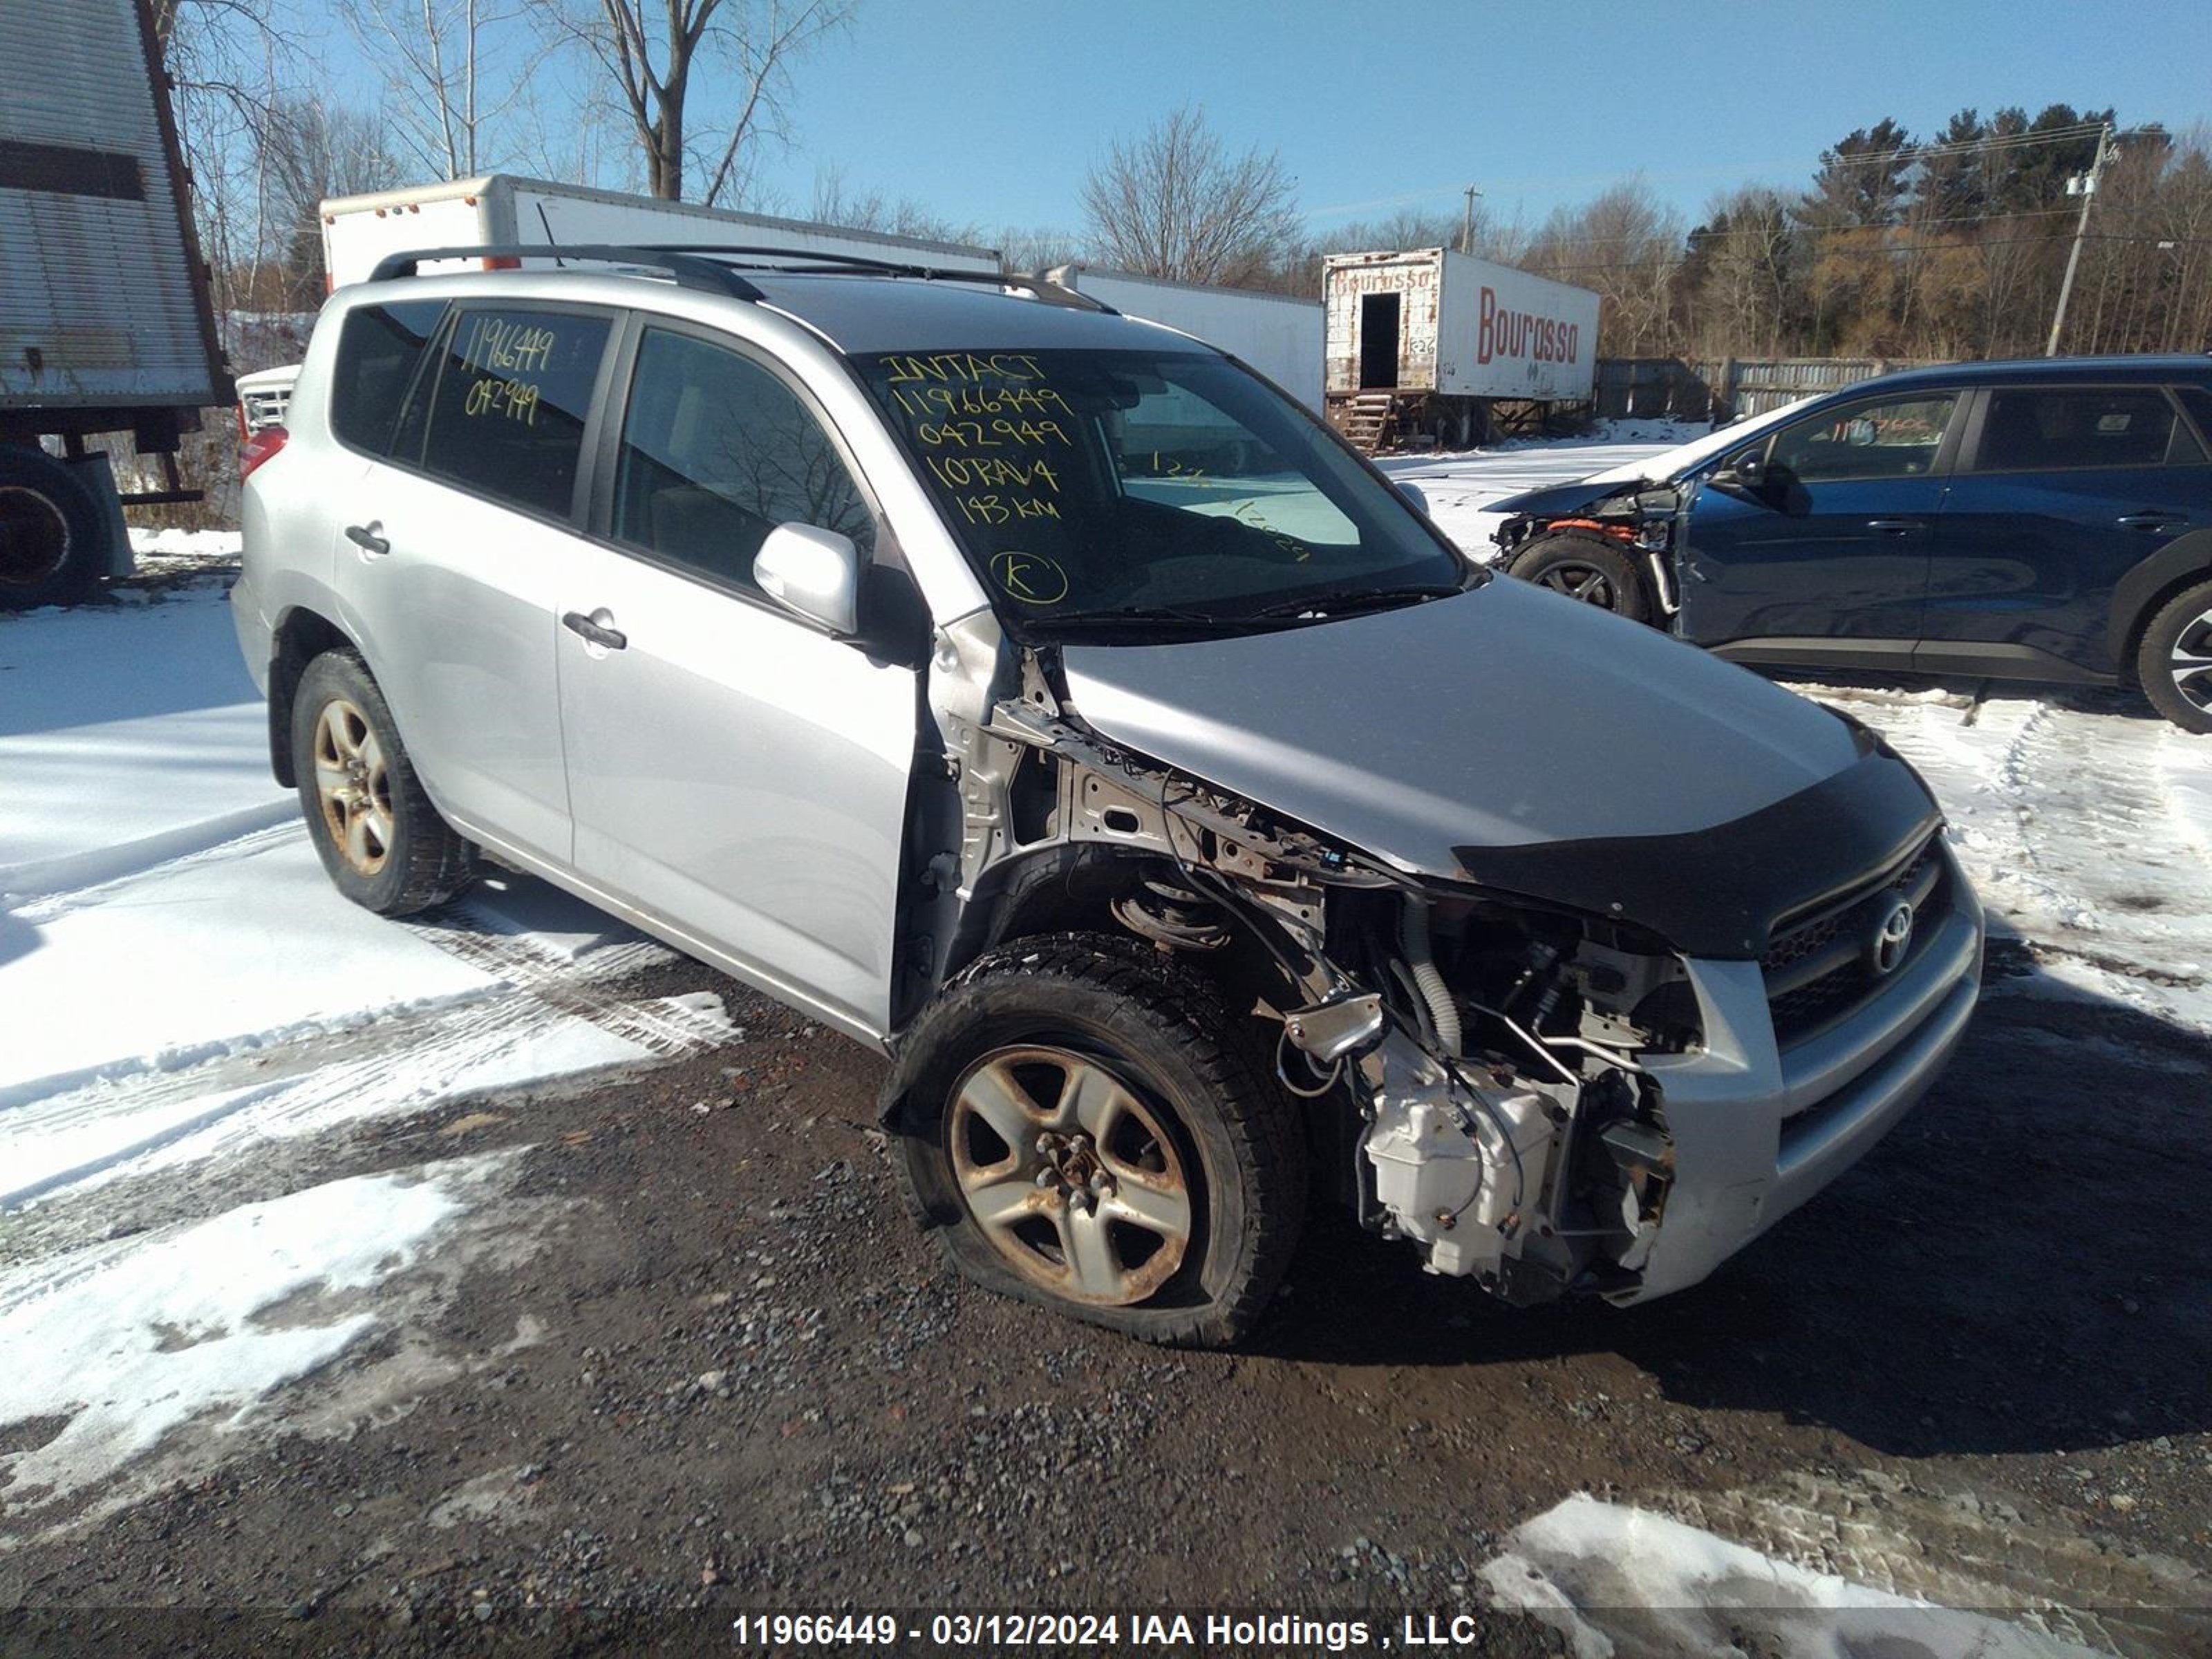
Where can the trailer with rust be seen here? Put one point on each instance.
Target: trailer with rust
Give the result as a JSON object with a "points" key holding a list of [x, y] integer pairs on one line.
{"points": [[107, 326], [1423, 343]]}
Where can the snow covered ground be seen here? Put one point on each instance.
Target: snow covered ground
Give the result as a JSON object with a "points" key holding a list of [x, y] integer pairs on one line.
{"points": [[184, 988]]}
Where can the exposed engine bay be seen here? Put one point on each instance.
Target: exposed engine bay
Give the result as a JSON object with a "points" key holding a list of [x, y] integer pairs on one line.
{"points": [[1470, 1064]]}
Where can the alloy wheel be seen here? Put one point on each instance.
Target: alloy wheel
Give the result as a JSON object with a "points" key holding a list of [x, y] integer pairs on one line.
{"points": [[1071, 1174], [2190, 662], [1580, 582], [353, 786]]}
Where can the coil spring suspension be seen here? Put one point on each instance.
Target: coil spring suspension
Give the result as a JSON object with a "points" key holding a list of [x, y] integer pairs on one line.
{"points": [[1172, 916]]}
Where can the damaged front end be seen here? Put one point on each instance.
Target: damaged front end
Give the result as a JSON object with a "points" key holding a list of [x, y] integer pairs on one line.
{"points": [[1471, 1067], [1642, 519]]}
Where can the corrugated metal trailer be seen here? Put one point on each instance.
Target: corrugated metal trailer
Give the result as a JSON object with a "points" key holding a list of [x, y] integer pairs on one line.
{"points": [[1421, 339], [106, 323], [1278, 334], [500, 209]]}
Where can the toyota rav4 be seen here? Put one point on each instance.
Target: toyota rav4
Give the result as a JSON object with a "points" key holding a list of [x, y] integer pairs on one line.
{"points": [[1039, 697]]}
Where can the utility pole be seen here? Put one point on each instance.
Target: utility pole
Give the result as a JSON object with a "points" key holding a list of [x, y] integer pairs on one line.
{"points": [[1466, 223], [2085, 183]]}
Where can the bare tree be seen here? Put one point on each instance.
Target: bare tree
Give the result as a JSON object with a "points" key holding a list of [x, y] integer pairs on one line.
{"points": [[440, 57], [836, 202], [1175, 204], [660, 53]]}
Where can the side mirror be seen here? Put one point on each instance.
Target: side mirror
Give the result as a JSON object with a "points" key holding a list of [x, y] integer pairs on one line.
{"points": [[1416, 497], [1744, 472], [814, 573]]}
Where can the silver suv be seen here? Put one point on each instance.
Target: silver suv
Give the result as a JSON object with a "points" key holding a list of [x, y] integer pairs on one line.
{"points": [[1037, 696]]}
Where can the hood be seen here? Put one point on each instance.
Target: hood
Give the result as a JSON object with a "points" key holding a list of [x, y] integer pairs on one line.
{"points": [[1510, 736], [1561, 501]]}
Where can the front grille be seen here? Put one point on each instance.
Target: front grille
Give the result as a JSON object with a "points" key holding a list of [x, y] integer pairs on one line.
{"points": [[1817, 968]]}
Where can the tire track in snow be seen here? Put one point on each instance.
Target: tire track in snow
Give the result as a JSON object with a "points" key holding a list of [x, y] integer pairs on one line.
{"points": [[1958, 1549], [548, 1008]]}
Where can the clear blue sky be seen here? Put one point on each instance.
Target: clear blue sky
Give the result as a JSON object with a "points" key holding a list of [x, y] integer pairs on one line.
{"points": [[992, 110]]}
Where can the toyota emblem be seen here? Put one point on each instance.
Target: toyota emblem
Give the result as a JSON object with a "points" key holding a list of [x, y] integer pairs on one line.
{"points": [[1886, 951]]}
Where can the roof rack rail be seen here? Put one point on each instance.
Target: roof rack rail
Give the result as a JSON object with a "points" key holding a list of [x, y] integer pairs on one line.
{"points": [[715, 267], [1043, 286], [684, 269]]}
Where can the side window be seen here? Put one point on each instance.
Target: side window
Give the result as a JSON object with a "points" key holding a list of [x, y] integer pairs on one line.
{"points": [[379, 348], [505, 417], [1894, 438], [2065, 429], [716, 452], [2197, 401]]}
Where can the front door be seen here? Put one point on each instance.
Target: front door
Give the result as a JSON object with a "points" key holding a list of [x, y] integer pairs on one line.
{"points": [[2063, 490], [1832, 544], [734, 772], [455, 553]]}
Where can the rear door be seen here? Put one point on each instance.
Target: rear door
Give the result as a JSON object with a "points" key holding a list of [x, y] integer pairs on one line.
{"points": [[1834, 545], [460, 541], [2060, 490], [736, 773]]}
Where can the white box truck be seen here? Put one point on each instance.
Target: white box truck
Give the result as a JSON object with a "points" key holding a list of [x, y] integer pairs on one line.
{"points": [[105, 322], [1421, 341], [500, 210], [1278, 334]]}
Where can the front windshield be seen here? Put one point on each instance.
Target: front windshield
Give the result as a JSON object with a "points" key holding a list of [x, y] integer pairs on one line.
{"points": [[1088, 487]]}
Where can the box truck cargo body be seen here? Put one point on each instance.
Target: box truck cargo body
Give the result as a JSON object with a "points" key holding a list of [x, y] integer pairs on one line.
{"points": [[106, 323], [1277, 334], [1434, 334], [500, 209]]}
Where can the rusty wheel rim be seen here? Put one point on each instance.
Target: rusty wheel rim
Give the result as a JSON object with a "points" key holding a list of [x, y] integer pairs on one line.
{"points": [[1071, 1174], [35, 537], [353, 786]]}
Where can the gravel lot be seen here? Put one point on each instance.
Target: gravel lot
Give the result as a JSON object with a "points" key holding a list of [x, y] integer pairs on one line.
{"points": [[689, 1355]]}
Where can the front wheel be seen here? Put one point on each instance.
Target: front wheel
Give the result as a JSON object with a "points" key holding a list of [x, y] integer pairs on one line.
{"points": [[2174, 661], [1086, 1127], [379, 838], [1588, 567]]}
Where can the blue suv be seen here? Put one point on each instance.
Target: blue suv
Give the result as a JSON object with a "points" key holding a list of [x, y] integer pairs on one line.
{"points": [[2041, 520]]}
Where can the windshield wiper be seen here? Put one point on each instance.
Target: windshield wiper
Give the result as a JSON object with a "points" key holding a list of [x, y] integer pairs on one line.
{"points": [[1148, 616], [1351, 600]]}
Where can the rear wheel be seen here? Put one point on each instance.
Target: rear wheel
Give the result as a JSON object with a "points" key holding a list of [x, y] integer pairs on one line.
{"points": [[1588, 568], [379, 838], [1087, 1128], [53, 534], [2174, 661]]}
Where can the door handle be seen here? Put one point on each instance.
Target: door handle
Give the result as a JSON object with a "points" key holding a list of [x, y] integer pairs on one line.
{"points": [[365, 536], [593, 631], [1896, 527], [2152, 521]]}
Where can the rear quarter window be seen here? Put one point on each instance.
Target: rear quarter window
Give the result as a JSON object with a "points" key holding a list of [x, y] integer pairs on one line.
{"points": [[2072, 428], [379, 347], [504, 415], [2197, 400]]}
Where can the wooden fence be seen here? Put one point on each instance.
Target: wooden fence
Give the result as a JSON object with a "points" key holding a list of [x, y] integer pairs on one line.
{"points": [[1724, 389]]}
